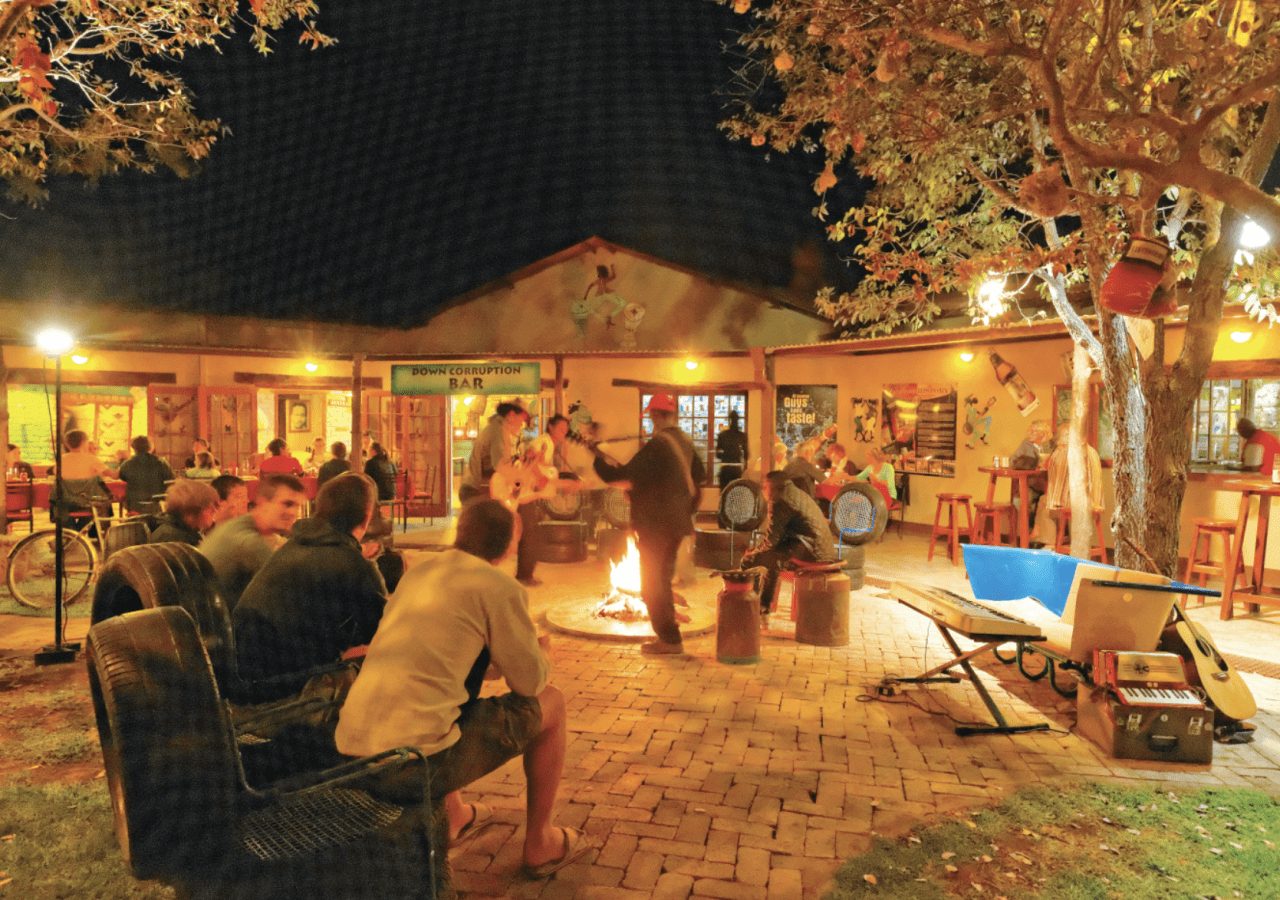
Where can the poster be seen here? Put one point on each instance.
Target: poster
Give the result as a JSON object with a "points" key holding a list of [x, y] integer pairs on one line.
{"points": [[804, 411], [866, 419], [918, 428]]}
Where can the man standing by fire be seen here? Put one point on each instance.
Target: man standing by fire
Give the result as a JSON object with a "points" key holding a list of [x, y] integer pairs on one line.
{"points": [[665, 477]]}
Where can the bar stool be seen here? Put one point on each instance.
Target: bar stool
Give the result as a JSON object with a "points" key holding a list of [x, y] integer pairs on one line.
{"points": [[989, 524], [953, 503], [1204, 566], [1062, 541]]}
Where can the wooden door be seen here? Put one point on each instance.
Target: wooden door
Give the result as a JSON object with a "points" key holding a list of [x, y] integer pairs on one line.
{"points": [[172, 422], [422, 440], [229, 418]]}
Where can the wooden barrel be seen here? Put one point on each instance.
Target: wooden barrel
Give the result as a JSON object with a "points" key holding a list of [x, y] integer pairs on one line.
{"points": [[738, 622], [821, 604]]}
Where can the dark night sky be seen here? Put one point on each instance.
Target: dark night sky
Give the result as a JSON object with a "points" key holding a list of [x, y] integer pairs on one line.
{"points": [[438, 146]]}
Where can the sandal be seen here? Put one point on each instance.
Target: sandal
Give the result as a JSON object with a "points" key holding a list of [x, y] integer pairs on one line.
{"points": [[481, 819], [576, 846]]}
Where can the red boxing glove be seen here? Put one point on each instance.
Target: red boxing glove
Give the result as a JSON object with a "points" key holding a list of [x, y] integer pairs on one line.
{"points": [[1131, 288]]}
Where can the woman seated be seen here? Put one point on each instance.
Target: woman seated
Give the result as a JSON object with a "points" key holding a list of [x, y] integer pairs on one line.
{"points": [[280, 462], [838, 475], [204, 469], [879, 471]]}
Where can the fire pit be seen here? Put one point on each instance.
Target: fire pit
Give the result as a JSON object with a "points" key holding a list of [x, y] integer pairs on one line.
{"points": [[620, 614]]}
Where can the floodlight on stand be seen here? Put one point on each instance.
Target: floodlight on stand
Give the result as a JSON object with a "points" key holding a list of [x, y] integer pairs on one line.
{"points": [[54, 341]]}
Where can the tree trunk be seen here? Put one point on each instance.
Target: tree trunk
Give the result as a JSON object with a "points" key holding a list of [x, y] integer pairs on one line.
{"points": [[4, 437], [1080, 502]]}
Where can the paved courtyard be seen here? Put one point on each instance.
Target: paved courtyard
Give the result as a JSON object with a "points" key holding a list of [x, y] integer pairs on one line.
{"points": [[709, 780]]}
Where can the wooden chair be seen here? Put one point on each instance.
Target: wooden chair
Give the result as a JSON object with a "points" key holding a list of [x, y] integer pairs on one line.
{"points": [[18, 504], [404, 490], [425, 495]]}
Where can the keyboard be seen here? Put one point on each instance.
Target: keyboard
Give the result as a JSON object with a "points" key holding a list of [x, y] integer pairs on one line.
{"points": [[973, 620], [1146, 696]]}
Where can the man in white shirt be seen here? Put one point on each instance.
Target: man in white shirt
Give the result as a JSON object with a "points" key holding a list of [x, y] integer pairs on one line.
{"points": [[451, 620]]}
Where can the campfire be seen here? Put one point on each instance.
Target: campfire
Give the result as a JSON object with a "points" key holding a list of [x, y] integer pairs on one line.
{"points": [[622, 603]]}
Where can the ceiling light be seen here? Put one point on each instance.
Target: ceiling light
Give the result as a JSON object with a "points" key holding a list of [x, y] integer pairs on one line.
{"points": [[966, 356], [311, 367], [691, 364]]}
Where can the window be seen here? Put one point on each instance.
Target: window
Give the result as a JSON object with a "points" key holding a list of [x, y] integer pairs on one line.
{"points": [[702, 417], [1221, 403]]}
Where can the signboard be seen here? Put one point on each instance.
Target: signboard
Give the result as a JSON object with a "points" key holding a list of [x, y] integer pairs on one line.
{"points": [[804, 411], [918, 428], [466, 378]]}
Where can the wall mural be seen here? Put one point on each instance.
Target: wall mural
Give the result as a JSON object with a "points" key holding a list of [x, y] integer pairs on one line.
{"points": [[918, 428]]}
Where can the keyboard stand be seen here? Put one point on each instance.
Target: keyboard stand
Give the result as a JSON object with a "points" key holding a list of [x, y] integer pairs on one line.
{"points": [[940, 673]]}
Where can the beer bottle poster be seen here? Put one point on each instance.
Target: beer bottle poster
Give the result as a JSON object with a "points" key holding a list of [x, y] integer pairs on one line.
{"points": [[804, 411], [1014, 383]]}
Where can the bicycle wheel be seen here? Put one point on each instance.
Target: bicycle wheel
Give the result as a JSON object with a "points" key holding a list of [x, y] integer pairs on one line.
{"points": [[31, 568]]}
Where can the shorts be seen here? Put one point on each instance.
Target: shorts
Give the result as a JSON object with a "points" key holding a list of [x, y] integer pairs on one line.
{"points": [[494, 730]]}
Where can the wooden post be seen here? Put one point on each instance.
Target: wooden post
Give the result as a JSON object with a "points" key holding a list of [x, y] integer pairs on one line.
{"points": [[559, 386], [357, 435], [762, 372]]}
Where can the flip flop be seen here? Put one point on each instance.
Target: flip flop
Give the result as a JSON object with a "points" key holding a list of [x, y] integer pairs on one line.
{"points": [[481, 819], [576, 846]]}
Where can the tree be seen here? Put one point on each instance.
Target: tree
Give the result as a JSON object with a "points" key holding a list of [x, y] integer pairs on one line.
{"points": [[88, 87], [1026, 141]]}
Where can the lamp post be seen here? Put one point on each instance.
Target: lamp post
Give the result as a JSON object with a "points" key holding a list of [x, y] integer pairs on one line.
{"points": [[55, 342]]}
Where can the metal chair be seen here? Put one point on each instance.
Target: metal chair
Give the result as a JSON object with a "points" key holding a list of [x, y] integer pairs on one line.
{"points": [[742, 508], [186, 813], [562, 532], [615, 509], [858, 515], [404, 488]]}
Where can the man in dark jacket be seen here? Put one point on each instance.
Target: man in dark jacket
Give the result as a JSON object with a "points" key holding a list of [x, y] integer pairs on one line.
{"points": [[144, 475], [334, 467], [731, 451], [316, 597], [189, 508], [795, 529], [665, 479]]}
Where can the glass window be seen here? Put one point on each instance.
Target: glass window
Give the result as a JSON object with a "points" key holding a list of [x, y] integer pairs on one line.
{"points": [[702, 416], [1221, 403]]}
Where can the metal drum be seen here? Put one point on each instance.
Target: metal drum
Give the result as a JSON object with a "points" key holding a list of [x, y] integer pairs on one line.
{"points": [[738, 620], [820, 606]]}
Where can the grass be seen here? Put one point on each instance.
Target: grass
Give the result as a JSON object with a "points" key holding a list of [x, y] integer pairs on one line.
{"points": [[1088, 841], [56, 841]]}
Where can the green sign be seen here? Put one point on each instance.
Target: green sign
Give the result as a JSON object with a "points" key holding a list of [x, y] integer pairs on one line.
{"points": [[466, 378]]}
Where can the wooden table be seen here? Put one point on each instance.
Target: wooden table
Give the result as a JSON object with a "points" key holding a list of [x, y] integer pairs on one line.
{"points": [[1255, 593], [1017, 487]]}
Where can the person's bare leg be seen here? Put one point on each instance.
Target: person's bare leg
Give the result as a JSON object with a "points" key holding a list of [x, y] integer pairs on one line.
{"points": [[458, 813], [543, 766]]}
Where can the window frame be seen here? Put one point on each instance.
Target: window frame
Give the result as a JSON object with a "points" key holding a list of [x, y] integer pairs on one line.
{"points": [[709, 462], [1247, 372]]}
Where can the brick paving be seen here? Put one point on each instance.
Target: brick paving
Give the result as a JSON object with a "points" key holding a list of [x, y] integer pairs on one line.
{"points": [[700, 779]]}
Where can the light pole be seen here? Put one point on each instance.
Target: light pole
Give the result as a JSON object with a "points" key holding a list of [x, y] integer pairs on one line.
{"points": [[55, 342]]}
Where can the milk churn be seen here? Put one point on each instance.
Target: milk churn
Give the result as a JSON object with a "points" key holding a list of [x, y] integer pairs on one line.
{"points": [[738, 618]]}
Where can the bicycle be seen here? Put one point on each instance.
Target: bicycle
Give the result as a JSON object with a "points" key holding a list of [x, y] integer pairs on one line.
{"points": [[31, 566]]}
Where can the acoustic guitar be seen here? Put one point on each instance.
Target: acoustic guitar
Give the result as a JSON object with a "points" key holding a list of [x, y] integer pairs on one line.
{"points": [[1222, 684]]}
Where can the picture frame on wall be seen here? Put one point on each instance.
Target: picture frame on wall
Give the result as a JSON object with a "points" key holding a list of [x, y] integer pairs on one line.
{"points": [[1099, 431], [299, 416]]}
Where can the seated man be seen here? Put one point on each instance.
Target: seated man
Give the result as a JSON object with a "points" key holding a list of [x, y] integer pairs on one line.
{"points": [[144, 475], [802, 470], [316, 597], [233, 498], [1028, 456], [239, 548], [451, 618], [794, 529], [189, 507]]}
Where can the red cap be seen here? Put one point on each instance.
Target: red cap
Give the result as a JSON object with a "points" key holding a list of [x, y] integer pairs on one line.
{"points": [[662, 403]]}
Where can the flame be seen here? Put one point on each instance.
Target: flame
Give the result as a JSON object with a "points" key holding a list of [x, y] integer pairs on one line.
{"points": [[624, 575]]}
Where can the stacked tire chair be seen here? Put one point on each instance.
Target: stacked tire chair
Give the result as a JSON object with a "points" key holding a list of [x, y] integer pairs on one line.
{"points": [[563, 532], [858, 517], [742, 508], [217, 793]]}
